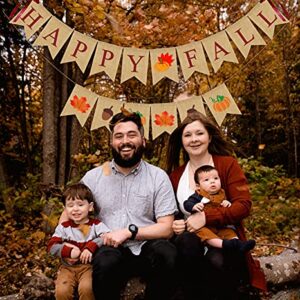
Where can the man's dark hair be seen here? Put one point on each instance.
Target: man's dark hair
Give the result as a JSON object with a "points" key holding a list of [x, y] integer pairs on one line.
{"points": [[77, 190], [128, 117], [202, 169]]}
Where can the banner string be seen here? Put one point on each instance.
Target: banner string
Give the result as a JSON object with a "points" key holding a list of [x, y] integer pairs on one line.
{"points": [[244, 65]]}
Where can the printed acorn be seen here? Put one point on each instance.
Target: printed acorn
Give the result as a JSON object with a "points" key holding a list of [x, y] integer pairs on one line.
{"points": [[107, 113], [191, 110]]}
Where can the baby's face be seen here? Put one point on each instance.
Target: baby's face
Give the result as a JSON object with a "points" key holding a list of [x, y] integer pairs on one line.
{"points": [[210, 181]]}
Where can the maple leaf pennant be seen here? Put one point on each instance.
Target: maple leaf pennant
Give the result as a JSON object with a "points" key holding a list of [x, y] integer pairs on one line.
{"points": [[80, 103]]}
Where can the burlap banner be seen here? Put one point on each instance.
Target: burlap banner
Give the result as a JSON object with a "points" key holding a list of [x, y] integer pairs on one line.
{"points": [[164, 64]]}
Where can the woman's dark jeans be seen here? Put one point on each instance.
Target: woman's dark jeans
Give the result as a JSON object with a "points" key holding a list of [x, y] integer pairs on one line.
{"points": [[215, 275]]}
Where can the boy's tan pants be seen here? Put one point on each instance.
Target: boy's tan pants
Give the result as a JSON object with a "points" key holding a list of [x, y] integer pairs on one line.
{"points": [[71, 278]]}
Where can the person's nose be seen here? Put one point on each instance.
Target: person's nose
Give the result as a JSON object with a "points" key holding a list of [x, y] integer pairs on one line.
{"points": [[194, 138]]}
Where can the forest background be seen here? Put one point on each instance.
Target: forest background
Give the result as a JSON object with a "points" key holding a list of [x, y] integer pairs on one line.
{"points": [[41, 152]]}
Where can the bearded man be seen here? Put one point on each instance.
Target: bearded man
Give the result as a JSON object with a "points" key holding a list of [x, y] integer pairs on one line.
{"points": [[137, 203]]}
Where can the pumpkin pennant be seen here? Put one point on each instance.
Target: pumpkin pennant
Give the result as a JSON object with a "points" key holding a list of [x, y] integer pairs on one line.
{"points": [[220, 103], [164, 64]]}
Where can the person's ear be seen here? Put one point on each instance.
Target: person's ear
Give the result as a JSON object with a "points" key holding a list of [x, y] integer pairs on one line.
{"points": [[91, 206], [144, 141]]}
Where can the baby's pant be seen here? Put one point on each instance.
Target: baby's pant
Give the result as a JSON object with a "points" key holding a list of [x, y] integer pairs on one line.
{"points": [[208, 233], [71, 278]]}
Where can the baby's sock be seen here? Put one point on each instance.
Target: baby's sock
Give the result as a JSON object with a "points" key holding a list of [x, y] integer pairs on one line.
{"points": [[238, 245]]}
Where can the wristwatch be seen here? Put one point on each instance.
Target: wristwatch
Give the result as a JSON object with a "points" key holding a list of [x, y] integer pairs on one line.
{"points": [[134, 230]]}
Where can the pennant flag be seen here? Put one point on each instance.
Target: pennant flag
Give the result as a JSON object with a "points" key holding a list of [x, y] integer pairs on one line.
{"points": [[185, 107], [192, 58], [163, 118], [244, 35], [80, 104], [107, 58], [32, 18], [164, 64], [265, 17], [219, 49], [220, 103], [105, 109], [54, 35], [135, 64], [143, 110], [80, 50]]}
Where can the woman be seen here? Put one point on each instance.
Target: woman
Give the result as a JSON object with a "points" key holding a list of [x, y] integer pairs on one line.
{"points": [[201, 142]]}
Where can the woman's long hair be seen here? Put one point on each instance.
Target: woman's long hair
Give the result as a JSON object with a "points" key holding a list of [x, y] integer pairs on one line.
{"points": [[218, 144]]}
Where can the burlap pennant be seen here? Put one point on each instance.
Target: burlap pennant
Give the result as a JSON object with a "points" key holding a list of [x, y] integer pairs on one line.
{"points": [[244, 35], [32, 18], [192, 58], [143, 110], [220, 103], [104, 111], [135, 64], [185, 107], [80, 50], [54, 36], [163, 118], [107, 58], [163, 64], [219, 49], [80, 103], [266, 18]]}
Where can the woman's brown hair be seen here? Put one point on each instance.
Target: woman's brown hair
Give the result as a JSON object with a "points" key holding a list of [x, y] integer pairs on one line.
{"points": [[218, 144]]}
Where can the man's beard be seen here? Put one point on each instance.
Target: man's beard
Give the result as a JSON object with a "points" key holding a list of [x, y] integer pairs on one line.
{"points": [[128, 162]]}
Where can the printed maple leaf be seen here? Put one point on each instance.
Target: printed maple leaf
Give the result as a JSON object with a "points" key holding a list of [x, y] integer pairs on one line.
{"points": [[164, 119], [166, 58], [80, 104]]}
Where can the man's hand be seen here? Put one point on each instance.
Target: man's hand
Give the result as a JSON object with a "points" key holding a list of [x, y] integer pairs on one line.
{"points": [[198, 207], [195, 221], [178, 226], [86, 256], [116, 238], [225, 203]]}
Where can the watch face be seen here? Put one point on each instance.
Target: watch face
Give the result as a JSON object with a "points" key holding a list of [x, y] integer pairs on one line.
{"points": [[132, 228]]}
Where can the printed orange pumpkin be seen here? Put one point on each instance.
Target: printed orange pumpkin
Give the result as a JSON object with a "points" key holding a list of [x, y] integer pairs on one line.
{"points": [[221, 103], [164, 62]]}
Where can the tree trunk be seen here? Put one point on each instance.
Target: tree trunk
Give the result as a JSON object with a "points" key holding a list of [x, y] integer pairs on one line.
{"points": [[49, 121]]}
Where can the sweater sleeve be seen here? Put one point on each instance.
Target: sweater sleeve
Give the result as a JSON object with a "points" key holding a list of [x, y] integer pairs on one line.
{"points": [[191, 201], [236, 188], [56, 245]]}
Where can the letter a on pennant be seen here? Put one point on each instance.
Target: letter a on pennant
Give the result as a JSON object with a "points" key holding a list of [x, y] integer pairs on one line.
{"points": [[54, 35]]}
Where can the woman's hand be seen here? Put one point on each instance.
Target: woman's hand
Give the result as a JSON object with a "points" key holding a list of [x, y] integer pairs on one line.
{"points": [[178, 226], [195, 221]]}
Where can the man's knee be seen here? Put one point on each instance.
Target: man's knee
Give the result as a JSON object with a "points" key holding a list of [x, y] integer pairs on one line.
{"points": [[165, 253], [106, 259]]}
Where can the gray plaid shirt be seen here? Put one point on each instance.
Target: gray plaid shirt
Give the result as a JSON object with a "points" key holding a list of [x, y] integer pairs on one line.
{"points": [[140, 197]]}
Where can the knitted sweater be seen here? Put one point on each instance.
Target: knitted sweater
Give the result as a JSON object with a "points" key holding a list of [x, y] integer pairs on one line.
{"points": [[84, 236]]}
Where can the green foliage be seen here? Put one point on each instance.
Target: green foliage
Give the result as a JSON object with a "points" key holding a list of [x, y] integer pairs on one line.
{"points": [[275, 211]]}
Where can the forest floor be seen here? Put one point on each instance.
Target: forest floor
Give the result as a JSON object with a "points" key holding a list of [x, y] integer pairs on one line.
{"points": [[23, 254]]}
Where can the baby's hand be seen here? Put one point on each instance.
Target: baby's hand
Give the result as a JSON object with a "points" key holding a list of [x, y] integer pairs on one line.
{"points": [[225, 203], [198, 207], [86, 256]]}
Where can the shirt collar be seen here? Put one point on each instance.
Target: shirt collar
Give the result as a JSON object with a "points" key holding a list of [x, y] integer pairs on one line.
{"points": [[134, 171]]}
